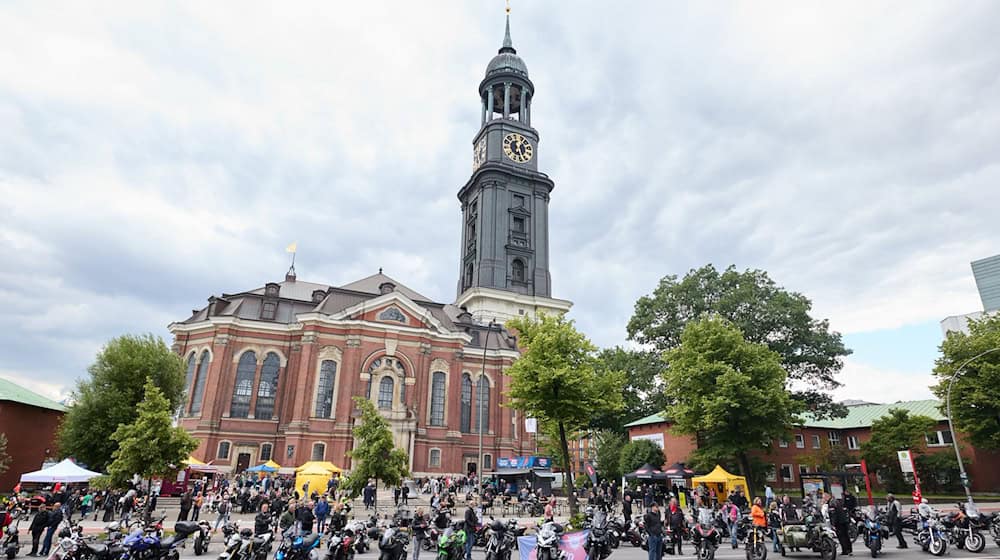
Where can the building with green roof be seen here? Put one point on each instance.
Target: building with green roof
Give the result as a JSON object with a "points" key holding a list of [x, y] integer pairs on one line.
{"points": [[30, 422]]}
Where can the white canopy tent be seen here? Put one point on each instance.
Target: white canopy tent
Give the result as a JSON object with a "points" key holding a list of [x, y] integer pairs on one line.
{"points": [[64, 471]]}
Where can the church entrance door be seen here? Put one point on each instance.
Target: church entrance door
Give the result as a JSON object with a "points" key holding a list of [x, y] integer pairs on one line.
{"points": [[242, 462]]}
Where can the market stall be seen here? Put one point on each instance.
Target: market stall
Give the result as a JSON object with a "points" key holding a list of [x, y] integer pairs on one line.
{"points": [[65, 471], [647, 472], [721, 481]]}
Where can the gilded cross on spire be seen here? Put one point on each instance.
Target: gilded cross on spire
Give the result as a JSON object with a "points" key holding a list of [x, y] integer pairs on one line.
{"points": [[508, 45]]}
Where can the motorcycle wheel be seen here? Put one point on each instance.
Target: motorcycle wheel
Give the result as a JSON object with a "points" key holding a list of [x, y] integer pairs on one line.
{"points": [[852, 531], [757, 551], [199, 548], [543, 554], [975, 543], [11, 553], [938, 547], [827, 550], [708, 552], [425, 544]]}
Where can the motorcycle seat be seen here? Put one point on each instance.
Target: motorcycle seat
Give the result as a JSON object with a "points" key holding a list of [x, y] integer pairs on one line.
{"points": [[186, 527], [98, 548], [309, 540], [169, 541]]}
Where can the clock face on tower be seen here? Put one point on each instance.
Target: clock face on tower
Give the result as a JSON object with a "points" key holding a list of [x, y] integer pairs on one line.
{"points": [[479, 154], [517, 147]]}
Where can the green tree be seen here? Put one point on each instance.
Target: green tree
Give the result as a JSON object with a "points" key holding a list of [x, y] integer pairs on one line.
{"points": [[4, 457], [109, 397], [375, 455], [150, 446], [975, 396], [558, 380], [638, 452], [729, 393], [641, 395], [607, 453], [828, 457], [765, 313], [891, 433], [939, 472]]}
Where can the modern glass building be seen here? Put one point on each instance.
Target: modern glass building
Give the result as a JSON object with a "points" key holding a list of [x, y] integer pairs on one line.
{"points": [[987, 273]]}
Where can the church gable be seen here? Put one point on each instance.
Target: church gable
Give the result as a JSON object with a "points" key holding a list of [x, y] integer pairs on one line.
{"points": [[394, 314]]}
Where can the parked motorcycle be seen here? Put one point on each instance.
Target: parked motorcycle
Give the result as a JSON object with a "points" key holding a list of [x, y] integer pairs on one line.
{"points": [[598, 546], [756, 540], [932, 536], [549, 535], [247, 546], [11, 544], [147, 544], [304, 547], [813, 535], [502, 540], [203, 538], [392, 545], [963, 533], [705, 537], [342, 545], [874, 531], [635, 533], [451, 543]]}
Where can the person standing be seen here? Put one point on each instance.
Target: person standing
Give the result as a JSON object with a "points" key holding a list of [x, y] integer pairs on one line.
{"points": [[675, 519], [421, 523], [627, 507], [839, 518], [223, 510], [55, 517], [732, 515], [395, 496], [654, 532], [306, 518], [185, 506], [38, 525], [471, 520], [406, 494], [768, 495], [321, 511], [262, 521], [199, 500], [895, 519]]}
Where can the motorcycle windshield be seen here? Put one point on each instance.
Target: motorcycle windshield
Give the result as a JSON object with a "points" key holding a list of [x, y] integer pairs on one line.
{"points": [[600, 519]]}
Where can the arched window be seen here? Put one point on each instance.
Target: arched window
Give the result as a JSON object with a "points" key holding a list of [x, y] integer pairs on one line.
{"points": [[466, 407], [437, 399], [243, 387], [266, 450], [199, 383], [267, 389], [189, 378], [482, 404], [386, 365], [517, 270], [385, 388], [319, 452], [324, 388]]}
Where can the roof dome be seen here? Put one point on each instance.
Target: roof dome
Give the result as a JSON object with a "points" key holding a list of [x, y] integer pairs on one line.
{"points": [[506, 59]]}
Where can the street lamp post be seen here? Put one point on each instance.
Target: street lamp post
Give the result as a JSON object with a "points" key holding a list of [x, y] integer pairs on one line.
{"points": [[479, 405], [951, 427]]}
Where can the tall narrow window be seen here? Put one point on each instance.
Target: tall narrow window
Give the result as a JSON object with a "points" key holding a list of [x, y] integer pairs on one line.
{"points": [[385, 388], [223, 450], [324, 389], [437, 399], [482, 404], [243, 388], [266, 450], [517, 270], [189, 378], [466, 416], [468, 275], [267, 390], [319, 452], [199, 383], [518, 224]]}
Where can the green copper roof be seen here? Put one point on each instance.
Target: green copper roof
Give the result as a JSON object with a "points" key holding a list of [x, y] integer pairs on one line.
{"points": [[862, 416], [651, 419], [15, 393], [858, 416]]}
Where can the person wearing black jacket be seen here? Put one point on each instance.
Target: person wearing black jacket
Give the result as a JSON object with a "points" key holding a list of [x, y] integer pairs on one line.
{"points": [[895, 519], [305, 517], [262, 521], [654, 530], [38, 525], [675, 520], [185, 506], [52, 525], [840, 519], [471, 520], [421, 523]]}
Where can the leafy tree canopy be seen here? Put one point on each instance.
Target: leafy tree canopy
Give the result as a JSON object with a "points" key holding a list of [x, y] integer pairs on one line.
{"points": [[891, 433], [375, 455], [639, 452], [975, 396], [641, 394], [559, 380], [110, 396], [151, 445], [765, 313], [729, 393], [607, 453]]}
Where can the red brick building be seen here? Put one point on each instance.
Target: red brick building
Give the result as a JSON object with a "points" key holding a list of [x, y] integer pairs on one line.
{"points": [[30, 422], [271, 371], [811, 442]]}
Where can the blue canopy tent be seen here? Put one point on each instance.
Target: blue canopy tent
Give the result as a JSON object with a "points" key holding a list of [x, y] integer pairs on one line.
{"points": [[263, 467]]}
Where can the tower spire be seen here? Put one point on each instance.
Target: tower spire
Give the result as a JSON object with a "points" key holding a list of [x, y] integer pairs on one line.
{"points": [[508, 45]]}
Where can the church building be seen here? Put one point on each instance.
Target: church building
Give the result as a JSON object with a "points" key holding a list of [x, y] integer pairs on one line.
{"points": [[271, 372]]}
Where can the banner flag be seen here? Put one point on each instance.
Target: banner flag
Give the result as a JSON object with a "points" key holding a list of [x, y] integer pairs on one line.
{"points": [[530, 425]]}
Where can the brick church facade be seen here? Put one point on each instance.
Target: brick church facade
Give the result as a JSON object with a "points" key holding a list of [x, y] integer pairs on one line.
{"points": [[271, 372]]}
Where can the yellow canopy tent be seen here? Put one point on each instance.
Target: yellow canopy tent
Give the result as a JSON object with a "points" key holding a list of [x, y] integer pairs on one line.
{"points": [[192, 461], [273, 465], [326, 465], [721, 481], [315, 476]]}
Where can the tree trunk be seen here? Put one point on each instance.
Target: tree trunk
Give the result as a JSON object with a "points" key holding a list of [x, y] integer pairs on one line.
{"points": [[745, 467], [568, 465]]}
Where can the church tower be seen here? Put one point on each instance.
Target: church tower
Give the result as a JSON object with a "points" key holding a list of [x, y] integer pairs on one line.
{"points": [[504, 268]]}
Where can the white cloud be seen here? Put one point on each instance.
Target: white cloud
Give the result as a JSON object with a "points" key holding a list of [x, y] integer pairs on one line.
{"points": [[872, 384], [158, 154]]}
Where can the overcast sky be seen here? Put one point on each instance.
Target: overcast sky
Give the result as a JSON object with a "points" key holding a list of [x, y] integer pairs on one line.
{"points": [[154, 154]]}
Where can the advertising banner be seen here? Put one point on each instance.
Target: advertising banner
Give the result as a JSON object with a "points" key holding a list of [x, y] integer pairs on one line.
{"points": [[570, 543]]}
